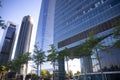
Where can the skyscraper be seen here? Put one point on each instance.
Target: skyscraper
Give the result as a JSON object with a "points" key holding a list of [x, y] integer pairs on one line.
{"points": [[24, 38], [75, 19], [23, 43], [8, 43], [44, 35]]}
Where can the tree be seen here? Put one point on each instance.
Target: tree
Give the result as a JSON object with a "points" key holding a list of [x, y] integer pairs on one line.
{"points": [[26, 57], [70, 74], [3, 71], [77, 73], [2, 24], [31, 76], [45, 74], [116, 33], [17, 64], [96, 45], [38, 57], [66, 52], [96, 49], [0, 4], [52, 56], [86, 48]]}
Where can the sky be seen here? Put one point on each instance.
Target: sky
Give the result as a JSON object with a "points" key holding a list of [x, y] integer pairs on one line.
{"points": [[15, 10]]}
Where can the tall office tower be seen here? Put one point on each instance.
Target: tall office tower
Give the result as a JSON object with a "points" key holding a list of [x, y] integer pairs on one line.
{"points": [[75, 19], [8, 41], [23, 43], [44, 35]]}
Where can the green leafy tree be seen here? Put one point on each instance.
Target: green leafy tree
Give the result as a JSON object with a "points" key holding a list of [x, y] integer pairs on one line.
{"points": [[66, 52], [26, 57], [70, 74], [116, 33], [3, 71], [2, 24], [38, 57], [52, 57], [17, 64], [117, 44], [31, 76], [86, 48], [14, 65], [77, 73], [45, 74], [98, 45], [96, 49], [0, 3]]}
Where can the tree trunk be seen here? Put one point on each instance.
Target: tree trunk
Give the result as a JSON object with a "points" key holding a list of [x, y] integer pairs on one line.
{"points": [[26, 67], [67, 68], [53, 65], [53, 70], [67, 64], [40, 69], [37, 70], [84, 63], [100, 64]]}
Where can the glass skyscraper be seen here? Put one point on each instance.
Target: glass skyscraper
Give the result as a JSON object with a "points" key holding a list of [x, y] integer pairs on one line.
{"points": [[8, 43], [23, 43], [75, 19], [24, 38], [40, 36], [44, 35]]}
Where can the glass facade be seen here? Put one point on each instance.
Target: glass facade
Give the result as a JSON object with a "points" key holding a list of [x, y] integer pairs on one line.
{"points": [[41, 29], [109, 60], [8, 44], [74, 19], [44, 35], [24, 37], [77, 16]]}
